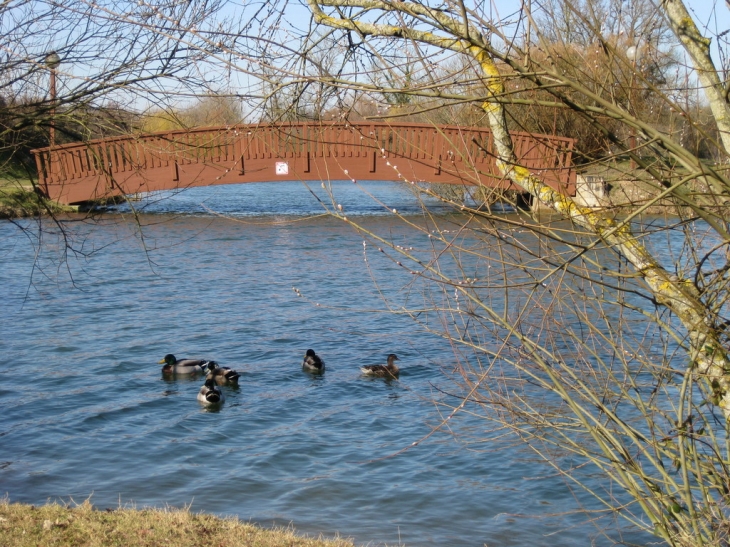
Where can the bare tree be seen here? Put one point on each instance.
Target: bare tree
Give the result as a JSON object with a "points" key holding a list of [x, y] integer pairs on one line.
{"points": [[66, 68], [600, 333]]}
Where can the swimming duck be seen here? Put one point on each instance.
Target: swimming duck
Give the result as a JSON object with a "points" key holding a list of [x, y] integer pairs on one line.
{"points": [[386, 371], [210, 393], [182, 366], [312, 362], [221, 375]]}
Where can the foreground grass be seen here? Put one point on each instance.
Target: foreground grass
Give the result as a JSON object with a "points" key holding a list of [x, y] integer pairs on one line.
{"points": [[28, 526]]}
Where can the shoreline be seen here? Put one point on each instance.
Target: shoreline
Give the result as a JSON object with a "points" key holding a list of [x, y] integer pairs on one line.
{"points": [[23, 525]]}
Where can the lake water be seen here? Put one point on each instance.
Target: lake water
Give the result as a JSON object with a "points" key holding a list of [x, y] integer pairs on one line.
{"points": [[87, 413]]}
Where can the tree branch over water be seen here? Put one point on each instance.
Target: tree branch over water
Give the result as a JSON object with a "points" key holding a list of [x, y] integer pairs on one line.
{"points": [[683, 506]]}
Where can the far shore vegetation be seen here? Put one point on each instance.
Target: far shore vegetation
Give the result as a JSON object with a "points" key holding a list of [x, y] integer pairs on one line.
{"points": [[24, 525]]}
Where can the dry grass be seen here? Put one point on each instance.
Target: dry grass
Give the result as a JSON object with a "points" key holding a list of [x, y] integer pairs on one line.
{"points": [[82, 525]]}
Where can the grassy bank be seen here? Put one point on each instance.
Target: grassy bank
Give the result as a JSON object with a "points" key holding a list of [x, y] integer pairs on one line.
{"points": [[17, 200], [29, 526]]}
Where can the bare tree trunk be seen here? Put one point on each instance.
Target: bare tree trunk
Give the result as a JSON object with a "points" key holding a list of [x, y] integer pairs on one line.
{"points": [[698, 49]]}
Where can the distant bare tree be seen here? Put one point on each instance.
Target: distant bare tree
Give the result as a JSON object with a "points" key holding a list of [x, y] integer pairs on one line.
{"points": [[108, 53]]}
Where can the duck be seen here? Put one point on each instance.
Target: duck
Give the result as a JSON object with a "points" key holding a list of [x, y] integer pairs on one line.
{"points": [[182, 366], [210, 393], [221, 375], [312, 362], [390, 370]]}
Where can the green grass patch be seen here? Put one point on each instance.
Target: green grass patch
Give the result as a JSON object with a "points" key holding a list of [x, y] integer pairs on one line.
{"points": [[20, 200], [28, 526]]}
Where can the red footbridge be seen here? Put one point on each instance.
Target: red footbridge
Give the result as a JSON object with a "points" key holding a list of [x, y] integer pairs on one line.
{"points": [[307, 151]]}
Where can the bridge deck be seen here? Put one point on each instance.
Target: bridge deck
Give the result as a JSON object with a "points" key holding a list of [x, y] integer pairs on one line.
{"points": [[74, 173]]}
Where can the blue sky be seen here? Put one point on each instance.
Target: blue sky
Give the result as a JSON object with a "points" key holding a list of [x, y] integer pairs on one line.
{"points": [[712, 16], [712, 13]]}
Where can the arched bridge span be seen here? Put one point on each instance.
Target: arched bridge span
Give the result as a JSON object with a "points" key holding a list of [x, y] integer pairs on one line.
{"points": [[103, 168]]}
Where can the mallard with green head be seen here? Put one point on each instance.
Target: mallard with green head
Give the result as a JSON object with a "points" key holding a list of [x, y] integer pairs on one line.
{"points": [[313, 362], [210, 393], [183, 366], [221, 375], [389, 370]]}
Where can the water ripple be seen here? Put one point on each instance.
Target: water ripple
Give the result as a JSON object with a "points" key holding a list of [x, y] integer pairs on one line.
{"points": [[95, 417]]}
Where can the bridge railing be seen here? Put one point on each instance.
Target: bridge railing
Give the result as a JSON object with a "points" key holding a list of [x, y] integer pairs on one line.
{"points": [[444, 154]]}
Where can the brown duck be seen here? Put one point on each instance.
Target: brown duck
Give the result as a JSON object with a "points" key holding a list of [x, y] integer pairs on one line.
{"points": [[389, 370]]}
